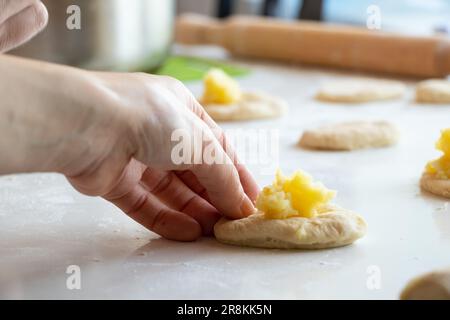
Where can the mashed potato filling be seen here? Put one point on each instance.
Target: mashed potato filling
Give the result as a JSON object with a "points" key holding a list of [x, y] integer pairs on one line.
{"points": [[220, 88], [294, 196], [440, 168]]}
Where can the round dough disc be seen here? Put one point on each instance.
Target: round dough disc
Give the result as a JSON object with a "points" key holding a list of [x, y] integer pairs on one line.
{"points": [[439, 187], [363, 90], [251, 106], [433, 91], [350, 136], [431, 286], [333, 227]]}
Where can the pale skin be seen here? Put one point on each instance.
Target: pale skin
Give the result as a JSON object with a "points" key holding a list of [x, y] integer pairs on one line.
{"points": [[109, 134]]}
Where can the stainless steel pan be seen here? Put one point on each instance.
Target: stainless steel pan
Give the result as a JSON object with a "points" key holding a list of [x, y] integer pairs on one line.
{"points": [[114, 34]]}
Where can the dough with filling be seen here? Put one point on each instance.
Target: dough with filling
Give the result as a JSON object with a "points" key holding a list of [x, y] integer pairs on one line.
{"points": [[434, 185], [360, 90], [224, 100], [431, 286], [331, 227], [436, 176], [251, 105], [350, 136], [433, 91]]}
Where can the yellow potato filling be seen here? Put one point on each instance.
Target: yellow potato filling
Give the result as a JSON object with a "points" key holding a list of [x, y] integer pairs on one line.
{"points": [[220, 88], [294, 196], [440, 168]]}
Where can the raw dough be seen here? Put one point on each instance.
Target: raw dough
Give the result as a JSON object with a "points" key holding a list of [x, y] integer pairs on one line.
{"points": [[431, 286], [433, 91], [350, 136], [440, 187], [362, 90], [252, 105], [332, 227]]}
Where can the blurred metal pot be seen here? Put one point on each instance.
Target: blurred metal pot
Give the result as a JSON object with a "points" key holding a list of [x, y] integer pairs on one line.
{"points": [[114, 35]]}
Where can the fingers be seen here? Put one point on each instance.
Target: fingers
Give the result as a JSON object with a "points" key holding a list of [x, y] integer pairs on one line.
{"points": [[22, 26], [220, 177], [147, 210], [221, 180], [224, 181], [9, 8], [248, 182], [190, 180], [171, 190], [138, 182]]}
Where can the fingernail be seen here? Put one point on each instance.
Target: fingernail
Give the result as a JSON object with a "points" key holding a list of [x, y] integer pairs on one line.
{"points": [[247, 207]]}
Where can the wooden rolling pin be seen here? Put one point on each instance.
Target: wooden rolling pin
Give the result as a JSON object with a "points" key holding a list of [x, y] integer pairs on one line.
{"points": [[320, 44]]}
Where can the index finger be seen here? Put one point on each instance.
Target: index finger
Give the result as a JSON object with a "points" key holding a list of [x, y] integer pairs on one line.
{"points": [[248, 181], [223, 186]]}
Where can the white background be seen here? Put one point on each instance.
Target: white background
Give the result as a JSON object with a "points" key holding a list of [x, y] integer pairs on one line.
{"points": [[45, 225]]}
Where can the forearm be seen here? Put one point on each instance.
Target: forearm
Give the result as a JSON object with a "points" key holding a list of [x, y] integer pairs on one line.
{"points": [[44, 112]]}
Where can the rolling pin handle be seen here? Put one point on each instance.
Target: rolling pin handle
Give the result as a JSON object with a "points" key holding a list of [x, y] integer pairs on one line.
{"points": [[444, 58], [198, 29]]}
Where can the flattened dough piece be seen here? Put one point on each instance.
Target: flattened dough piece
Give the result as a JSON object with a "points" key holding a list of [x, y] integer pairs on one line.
{"points": [[439, 187], [350, 136], [361, 90], [253, 105], [431, 286], [433, 91], [333, 227]]}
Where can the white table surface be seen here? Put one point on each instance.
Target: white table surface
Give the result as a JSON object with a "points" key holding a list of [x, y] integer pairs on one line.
{"points": [[45, 225]]}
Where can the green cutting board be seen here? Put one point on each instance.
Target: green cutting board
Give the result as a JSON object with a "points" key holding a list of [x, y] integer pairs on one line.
{"points": [[190, 68]]}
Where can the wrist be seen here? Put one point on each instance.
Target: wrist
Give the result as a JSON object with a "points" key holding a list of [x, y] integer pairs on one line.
{"points": [[25, 137], [55, 118]]}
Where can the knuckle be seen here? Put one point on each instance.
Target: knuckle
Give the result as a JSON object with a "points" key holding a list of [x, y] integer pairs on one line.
{"points": [[163, 184], [140, 75], [173, 83], [158, 222], [136, 207], [177, 83]]}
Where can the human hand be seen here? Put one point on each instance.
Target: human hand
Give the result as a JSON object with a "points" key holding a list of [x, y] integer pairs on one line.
{"points": [[111, 135], [126, 156], [20, 20]]}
